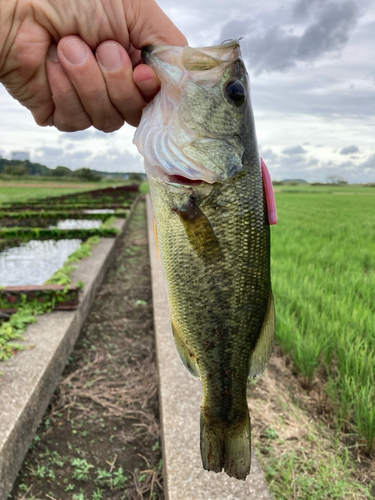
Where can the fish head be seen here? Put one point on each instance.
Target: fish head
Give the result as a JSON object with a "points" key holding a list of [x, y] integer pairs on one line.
{"points": [[198, 126]]}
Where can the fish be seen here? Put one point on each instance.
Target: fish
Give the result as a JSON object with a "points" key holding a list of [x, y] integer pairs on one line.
{"points": [[212, 226]]}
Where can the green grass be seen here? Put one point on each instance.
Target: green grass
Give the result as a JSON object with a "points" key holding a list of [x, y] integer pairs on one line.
{"points": [[349, 190], [323, 269], [144, 188], [297, 474], [10, 194]]}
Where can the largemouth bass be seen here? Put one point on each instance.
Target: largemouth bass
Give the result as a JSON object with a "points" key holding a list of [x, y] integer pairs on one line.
{"points": [[201, 157]]}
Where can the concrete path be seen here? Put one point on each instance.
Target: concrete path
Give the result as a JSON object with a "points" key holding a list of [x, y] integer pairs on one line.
{"points": [[180, 399]]}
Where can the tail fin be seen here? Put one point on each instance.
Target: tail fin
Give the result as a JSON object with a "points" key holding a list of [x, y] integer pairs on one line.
{"points": [[226, 447]]}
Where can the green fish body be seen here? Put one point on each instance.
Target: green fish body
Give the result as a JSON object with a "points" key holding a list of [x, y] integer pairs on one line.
{"points": [[201, 156]]}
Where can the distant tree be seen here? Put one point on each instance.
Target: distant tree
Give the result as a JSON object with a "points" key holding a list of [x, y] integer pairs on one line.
{"points": [[336, 179], [37, 168], [87, 175], [61, 172], [136, 177], [17, 170]]}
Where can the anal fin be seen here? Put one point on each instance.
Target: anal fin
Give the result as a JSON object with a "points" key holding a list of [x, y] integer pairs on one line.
{"points": [[263, 349]]}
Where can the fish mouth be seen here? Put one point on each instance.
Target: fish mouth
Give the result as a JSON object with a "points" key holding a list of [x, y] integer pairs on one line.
{"points": [[185, 181]]}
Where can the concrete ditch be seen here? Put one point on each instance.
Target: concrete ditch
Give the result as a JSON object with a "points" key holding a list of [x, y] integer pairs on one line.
{"points": [[30, 378], [180, 398]]}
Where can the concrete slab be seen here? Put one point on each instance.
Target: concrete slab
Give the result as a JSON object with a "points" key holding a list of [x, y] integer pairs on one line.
{"points": [[30, 378], [180, 399]]}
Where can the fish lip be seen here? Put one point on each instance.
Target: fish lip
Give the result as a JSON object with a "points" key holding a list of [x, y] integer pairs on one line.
{"points": [[146, 53]]}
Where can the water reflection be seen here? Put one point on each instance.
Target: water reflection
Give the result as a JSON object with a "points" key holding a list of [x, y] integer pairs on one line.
{"points": [[34, 262], [100, 211], [77, 224]]}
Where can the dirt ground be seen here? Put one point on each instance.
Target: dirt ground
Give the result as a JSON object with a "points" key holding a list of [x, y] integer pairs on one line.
{"points": [[99, 439], [303, 452]]}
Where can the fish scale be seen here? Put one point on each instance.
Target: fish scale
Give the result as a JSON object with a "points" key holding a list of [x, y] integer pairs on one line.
{"points": [[214, 242]]}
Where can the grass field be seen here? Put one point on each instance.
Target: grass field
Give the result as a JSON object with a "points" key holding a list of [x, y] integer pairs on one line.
{"points": [[323, 269], [22, 191]]}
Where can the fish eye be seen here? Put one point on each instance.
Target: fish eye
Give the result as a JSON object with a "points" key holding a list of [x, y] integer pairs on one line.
{"points": [[236, 92]]}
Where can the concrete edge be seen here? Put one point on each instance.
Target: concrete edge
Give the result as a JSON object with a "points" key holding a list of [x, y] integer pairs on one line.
{"points": [[30, 378], [180, 397]]}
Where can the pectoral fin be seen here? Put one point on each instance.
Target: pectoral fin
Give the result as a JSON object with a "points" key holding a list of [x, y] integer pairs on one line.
{"points": [[187, 357], [263, 349], [199, 231]]}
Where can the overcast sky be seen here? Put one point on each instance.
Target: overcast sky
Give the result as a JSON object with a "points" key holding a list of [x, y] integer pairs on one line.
{"points": [[312, 70]]}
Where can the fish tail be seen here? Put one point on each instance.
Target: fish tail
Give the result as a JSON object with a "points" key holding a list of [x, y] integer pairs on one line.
{"points": [[226, 446]]}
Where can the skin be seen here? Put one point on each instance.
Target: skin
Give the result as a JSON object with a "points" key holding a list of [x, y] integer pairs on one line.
{"points": [[76, 63]]}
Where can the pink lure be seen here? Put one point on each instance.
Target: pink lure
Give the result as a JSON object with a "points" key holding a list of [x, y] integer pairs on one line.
{"points": [[270, 195]]}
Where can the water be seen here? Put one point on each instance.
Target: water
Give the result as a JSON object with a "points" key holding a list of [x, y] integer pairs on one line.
{"points": [[100, 211], [34, 262], [77, 224]]}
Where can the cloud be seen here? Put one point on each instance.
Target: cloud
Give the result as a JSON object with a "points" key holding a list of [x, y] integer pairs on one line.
{"points": [[349, 150], [330, 32], [369, 164], [76, 136], [295, 150], [302, 8], [49, 151], [326, 30], [113, 160]]}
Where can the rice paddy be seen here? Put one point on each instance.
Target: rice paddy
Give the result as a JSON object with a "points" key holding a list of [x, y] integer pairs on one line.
{"points": [[323, 269]]}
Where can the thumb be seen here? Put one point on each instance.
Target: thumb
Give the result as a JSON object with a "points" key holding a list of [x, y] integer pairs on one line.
{"points": [[152, 26]]}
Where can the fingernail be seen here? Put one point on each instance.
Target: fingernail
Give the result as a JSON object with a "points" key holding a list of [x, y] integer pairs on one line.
{"points": [[75, 51], [52, 54], [109, 56]]}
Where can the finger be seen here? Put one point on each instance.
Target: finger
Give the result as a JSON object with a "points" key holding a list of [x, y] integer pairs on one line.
{"points": [[147, 81], [69, 115], [82, 69], [153, 27], [117, 70], [144, 77]]}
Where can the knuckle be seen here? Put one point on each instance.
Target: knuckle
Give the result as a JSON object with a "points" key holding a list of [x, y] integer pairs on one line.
{"points": [[110, 126], [110, 123], [71, 126]]}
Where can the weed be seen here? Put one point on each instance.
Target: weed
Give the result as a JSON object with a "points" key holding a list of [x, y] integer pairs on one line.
{"points": [[97, 495], [271, 433], [81, 469]]}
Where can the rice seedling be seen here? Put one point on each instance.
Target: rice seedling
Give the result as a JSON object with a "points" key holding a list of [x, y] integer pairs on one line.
{"points": [[323, 268]]}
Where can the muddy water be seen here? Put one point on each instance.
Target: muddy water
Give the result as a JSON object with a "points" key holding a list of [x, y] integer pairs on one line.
{"points": [[34, 262]]}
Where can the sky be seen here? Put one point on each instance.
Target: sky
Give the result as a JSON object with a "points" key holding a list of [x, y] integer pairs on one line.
{"points": [[312, 74]]}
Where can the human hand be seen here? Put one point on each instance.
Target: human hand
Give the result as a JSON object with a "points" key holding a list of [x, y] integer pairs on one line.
{"points": [[76, 63]]}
